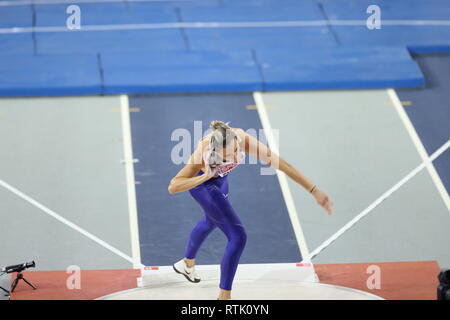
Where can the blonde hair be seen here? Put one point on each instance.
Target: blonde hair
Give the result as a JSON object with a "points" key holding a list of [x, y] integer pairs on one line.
{"points": [[222, 134]]}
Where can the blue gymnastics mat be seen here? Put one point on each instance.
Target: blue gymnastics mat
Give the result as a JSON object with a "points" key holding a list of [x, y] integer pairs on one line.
{"points": [[118, 41], [339, 68], [28, 75], [20, 43], [422, 26], [16, 16], [207, 71], [103, 14], [180, 72], [154, 47]]}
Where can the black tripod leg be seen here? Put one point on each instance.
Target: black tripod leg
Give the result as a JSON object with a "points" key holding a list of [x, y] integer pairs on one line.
{"points": [[4, 290], [29, 283], [14, 284]]}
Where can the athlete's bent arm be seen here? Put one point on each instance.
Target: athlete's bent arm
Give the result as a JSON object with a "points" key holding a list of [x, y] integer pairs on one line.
{"points": [[187, 178], [254, 147]]}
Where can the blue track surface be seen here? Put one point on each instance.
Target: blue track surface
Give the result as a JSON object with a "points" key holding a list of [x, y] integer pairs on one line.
{"points": [[430, 111], [137, 32], [165, 221]]}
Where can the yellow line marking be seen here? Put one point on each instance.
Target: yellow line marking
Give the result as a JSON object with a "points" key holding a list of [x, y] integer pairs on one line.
{"points": [[404, 103], [254, 107], [130, 109]]}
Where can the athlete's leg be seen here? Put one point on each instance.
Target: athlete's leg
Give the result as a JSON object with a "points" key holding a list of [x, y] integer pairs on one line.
{"points": [[227, 220], [237, 238], [203, 228], [213, 198], [198, 235]]}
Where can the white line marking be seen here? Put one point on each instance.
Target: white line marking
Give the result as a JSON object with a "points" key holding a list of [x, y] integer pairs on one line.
{"points": [[420, 148], [43, 2], [322, 291], [131, 187], [260, 106], [67, 222], [378, 201], [241, 24]]}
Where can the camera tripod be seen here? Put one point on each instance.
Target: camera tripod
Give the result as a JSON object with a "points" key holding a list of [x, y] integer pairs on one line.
{"points": [[18, 278], [16, 282]]}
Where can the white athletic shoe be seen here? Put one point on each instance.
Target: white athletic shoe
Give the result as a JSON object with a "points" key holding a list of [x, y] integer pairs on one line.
{"points": [[182, 268]]}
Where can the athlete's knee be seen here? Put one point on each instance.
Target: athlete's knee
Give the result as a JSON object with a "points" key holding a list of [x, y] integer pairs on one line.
{"points": [[239, 236], [207, 227], [207, 224]]}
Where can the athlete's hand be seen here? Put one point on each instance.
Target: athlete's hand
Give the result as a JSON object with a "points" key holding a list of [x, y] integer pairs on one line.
{"points": [[209, 172], [323, 200]]}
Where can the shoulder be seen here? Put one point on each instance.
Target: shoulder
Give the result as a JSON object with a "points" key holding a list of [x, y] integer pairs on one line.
{"points": [[242, 136], [239, 132]]}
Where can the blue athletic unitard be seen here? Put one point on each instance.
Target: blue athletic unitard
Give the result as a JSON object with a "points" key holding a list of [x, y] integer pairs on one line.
{"points": [[212, 195]]}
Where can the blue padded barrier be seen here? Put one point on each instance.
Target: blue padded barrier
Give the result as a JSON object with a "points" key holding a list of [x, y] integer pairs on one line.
{"points": [[180, 72], [142, 79], [103, 14], [220, 59], [49, 75], [418, 38], [429, 48], [16, 16], [109, 41], [173, 4], [303, 11], [259, 38], [263, 3], [339, 68], [390, 10], [184, 58], [16, 43]]}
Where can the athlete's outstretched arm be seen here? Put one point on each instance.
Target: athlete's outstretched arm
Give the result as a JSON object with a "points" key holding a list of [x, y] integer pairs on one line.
{"points": [[258, 149], [187, 178]]}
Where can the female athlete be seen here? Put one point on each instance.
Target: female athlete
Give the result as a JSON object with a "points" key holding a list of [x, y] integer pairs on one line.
{"points": [[205, 176]]}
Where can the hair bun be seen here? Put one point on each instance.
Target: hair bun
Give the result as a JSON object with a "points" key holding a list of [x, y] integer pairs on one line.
{"points": [[217, 124]]}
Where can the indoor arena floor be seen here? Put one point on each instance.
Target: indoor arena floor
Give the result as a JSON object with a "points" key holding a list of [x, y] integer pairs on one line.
{"points": [[82, 175]]}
